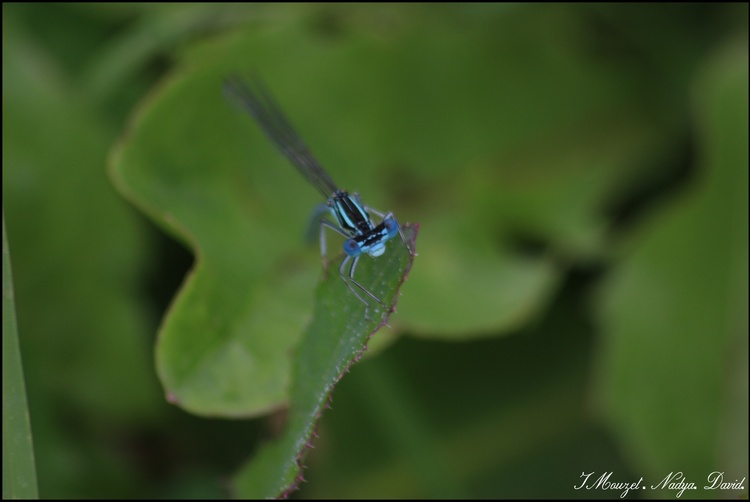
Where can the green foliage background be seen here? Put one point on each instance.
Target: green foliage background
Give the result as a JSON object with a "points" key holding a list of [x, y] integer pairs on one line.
{"points": [[579, 302]]}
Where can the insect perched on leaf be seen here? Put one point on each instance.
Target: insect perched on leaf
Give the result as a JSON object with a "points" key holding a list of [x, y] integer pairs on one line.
{"points": [[351, 218]]}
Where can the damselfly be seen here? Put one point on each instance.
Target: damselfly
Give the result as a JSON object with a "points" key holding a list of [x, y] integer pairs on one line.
{"points": [[352, 218]]}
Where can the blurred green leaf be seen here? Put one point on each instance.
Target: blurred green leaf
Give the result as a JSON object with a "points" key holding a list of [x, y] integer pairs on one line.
{"points": [[491, 415], [19, 472], [78, 260], [223, 347], [76, 243], [160, 29], [205, 173], [675, 365]]}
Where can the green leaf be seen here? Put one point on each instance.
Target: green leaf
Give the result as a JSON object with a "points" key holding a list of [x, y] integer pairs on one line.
{"points": [[19, 472], [206, 174], [675, 366], [79, 261], [335, 339], [223, 347]]}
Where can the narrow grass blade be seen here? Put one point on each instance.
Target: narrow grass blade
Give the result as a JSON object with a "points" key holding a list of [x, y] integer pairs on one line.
{"points": [[19, 472]]}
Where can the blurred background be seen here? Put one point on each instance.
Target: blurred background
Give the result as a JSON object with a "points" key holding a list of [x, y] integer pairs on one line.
{"points": [[579, 302]]}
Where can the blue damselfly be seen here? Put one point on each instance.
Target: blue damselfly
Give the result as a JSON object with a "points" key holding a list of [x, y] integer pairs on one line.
{"points": [[351, 216]]}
